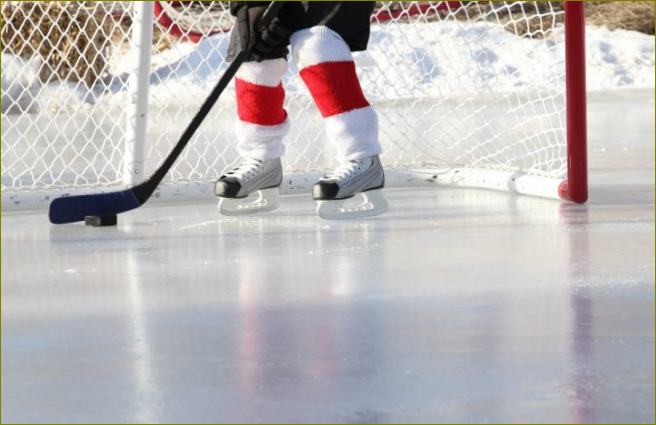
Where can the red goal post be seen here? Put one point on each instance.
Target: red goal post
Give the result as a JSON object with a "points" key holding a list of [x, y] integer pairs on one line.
{"points": [[575, 188]]}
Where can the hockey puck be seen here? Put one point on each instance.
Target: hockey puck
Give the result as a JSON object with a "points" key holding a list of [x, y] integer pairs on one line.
{"points": [[100, 220]]}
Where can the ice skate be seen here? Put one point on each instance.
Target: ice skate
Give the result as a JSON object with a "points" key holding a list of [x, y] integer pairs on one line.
{"points": [[250, 187], [362, 177]]}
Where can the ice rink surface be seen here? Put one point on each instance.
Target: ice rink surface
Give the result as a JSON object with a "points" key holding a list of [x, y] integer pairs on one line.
{"points": [[456, 306]]}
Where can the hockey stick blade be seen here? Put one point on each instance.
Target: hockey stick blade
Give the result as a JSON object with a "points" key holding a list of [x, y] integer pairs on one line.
{"points": [[70, 209]]}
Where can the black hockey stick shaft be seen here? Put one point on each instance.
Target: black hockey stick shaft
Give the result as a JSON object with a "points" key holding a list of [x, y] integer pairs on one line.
{"points": [[144, 190]]}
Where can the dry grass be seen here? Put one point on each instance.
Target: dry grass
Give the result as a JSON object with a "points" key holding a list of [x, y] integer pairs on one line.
{"points": [[73, 38], [65, 35], [628, 15]]}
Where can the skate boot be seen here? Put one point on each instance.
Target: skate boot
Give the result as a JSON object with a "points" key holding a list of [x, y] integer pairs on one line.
{"points": [[363, 177], [252, 186]]}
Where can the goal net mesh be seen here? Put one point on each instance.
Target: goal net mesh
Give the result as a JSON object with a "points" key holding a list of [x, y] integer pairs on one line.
{"points": [[456, 84]]}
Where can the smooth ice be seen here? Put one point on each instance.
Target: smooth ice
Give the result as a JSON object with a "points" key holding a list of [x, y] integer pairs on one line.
{"points": [[456, 306]]}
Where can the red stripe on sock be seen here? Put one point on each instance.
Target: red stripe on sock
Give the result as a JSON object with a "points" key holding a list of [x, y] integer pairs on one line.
{"points": [[260, 104], [335, 87]]}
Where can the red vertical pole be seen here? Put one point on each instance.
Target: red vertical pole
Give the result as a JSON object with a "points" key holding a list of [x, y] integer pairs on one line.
{"points": [[575, 188]]}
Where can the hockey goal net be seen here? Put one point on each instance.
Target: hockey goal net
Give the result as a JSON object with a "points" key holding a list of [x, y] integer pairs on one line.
{"points": [[95, 94]]}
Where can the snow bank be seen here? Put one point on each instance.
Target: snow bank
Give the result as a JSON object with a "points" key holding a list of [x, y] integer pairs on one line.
{"points": [[437, 59], [20, 84], [619, 59], [440, 59], [448, 58]]}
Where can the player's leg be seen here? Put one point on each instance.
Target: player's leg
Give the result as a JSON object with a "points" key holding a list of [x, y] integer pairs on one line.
{"points": [[326, 66], [252, 184]]}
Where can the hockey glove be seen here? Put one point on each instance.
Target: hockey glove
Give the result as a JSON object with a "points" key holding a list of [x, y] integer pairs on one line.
{"points": [[265, 42]]}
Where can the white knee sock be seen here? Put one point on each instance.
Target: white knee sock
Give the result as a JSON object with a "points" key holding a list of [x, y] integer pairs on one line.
{"points": [[327, 68], [263, 122]]}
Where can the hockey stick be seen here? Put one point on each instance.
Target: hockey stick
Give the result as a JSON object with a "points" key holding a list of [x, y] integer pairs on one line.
{"points": [[70, 209]]}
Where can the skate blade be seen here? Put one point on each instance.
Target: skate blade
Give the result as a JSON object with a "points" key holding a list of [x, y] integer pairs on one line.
{"points": [[257, 202], [372, 203]]}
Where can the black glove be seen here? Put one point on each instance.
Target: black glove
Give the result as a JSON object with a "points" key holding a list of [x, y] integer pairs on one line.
{"points": [[264, 42]]}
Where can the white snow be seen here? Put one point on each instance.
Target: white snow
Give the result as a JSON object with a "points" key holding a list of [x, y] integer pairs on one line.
{"points": [[445, 59], [19, 83], [619, 59], [439, 59], [424, 59], [449, 59]]}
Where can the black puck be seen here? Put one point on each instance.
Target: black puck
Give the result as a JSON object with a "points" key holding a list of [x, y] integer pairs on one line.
{"points": [[100, 220]]}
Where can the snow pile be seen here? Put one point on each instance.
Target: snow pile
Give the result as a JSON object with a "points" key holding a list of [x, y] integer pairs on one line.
{"points": [[450, 59], [436, 59], [20, 84], [439, 59], [619, 59]]}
